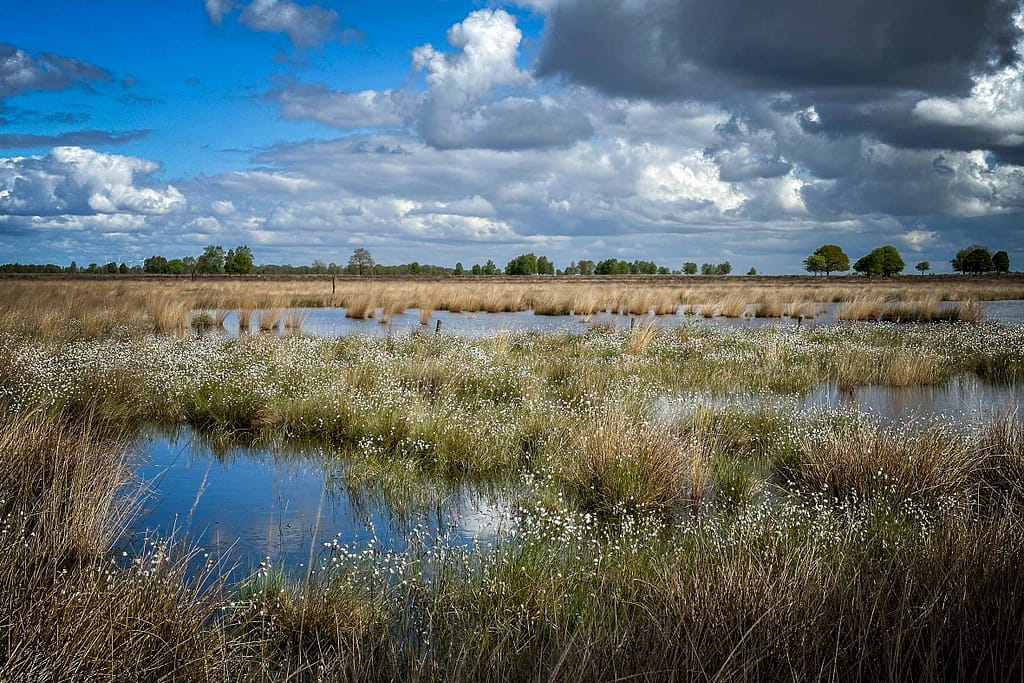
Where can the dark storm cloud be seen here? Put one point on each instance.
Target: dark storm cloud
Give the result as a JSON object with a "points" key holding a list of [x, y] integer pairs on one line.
{"points": [[863, 65], [20, 72], [83, 138], [691, 48], [893, 120]]}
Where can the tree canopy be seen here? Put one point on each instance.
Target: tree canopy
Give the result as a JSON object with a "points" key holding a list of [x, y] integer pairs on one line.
{"points": [[885, 261], [361, 262], [830, 258]]}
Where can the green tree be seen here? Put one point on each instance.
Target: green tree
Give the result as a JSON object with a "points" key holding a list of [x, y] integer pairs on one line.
{"points": [[73, 268], [545, 266], [319, 266], [752, 271], [1001, 261], [239, 261], [923, 267], [110, 268], [978, 261], [707, 269], [885, 261], [459, 270], [524, 264], [490, 268], [723, 268], [155, 265], [361, 262], [975, 259], [833, 258], [476, 269], [211, 261], [815, 263], [690, 268], [122, 268], [414, 268], [176, 266], [586, 267]]}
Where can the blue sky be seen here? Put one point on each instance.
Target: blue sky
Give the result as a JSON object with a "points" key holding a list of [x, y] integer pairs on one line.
{"points": [[444, 131]]}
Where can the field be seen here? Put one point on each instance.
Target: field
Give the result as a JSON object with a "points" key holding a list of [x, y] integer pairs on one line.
{"points": [[676, 513]]}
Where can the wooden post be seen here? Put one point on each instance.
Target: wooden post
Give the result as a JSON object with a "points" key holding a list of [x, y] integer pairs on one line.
{"points": [[333, 282], [437, 330]]}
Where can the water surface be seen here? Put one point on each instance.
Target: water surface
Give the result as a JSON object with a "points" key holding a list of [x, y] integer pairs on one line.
{"points": [[283, 504], [331, 322]]}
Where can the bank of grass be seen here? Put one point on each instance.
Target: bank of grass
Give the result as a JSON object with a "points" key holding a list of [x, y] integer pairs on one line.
{"points": [[654, 538], [77, 308], [808, 585]]}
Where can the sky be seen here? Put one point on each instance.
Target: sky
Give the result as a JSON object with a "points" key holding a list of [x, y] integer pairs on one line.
{"points": [[450, 130]]}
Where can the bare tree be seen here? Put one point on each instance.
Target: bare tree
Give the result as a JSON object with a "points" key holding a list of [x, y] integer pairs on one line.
{"points": [[361, 261]]}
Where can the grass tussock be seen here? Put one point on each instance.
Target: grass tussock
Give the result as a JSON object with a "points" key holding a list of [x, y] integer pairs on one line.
{"points": [[640, 336], [270, 319], [615, 464], [863, 460], [862, 308]]}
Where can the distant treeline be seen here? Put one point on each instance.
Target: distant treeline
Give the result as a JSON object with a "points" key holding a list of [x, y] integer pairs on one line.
{"points": [[827, 259]]}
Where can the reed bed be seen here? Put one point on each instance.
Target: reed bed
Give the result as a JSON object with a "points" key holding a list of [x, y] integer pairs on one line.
{"points": [[91, 307], [862, 308], [651, 539], [734, 306]]}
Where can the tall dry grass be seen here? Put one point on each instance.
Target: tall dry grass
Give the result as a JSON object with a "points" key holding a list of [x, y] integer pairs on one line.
{"points": [[90, 307]]}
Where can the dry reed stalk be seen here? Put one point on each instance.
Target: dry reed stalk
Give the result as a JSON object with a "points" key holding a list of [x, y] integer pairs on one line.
{"points": [[294, 319], [167, 316], [862, 308], [245, 317], [733, 306], [913, 311], [969, 312], [809, 309], [769, 309], [641, 336], [616, 463], [585, 303], [269, 318], [360, 307]]}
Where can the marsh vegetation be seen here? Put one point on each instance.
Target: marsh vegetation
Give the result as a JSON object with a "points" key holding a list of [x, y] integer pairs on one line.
{"points": [[656, 527]]}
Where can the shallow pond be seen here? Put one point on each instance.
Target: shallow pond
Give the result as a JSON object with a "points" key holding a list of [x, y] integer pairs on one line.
{"points": [[331, 322], [282, 505], [966, 400]]}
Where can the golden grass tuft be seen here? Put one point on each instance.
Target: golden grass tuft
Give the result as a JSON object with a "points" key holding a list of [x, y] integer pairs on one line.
{"points": [[615, 463], [862, 308], [640, 336], [360, 307], [270, 318], [294, 320], [864, 459]]}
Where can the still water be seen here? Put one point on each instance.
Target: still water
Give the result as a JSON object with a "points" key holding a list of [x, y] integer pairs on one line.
{"points": [[282, 504], [331, 322], [966, 400]]}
